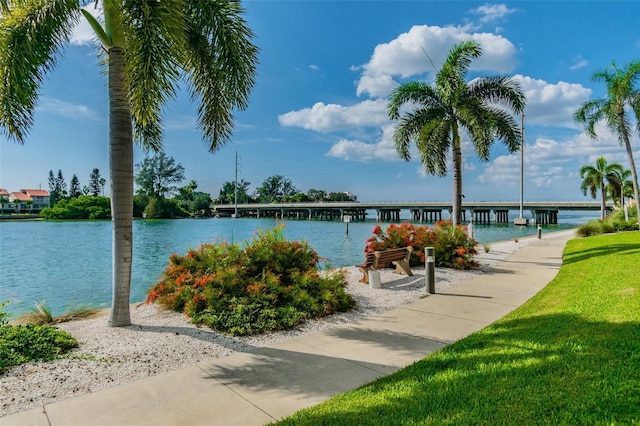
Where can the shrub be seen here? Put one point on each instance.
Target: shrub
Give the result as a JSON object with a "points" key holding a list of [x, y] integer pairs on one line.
{"points": [[615, 222], [82, 207], [41, 314], [269, 284], [452, 245], [23, 343]]}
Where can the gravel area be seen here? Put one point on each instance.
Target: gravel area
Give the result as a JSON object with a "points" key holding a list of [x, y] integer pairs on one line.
{"points": [[160, 340]]}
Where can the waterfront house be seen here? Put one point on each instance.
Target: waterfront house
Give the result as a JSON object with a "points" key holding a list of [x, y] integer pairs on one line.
{"points": [[32, 200], [40, 198]]}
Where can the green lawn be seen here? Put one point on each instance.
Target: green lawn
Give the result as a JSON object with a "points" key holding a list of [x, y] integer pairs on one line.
{"points": [[571, 355]]}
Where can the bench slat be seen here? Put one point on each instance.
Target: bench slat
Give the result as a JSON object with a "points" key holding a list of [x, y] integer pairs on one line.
{"points": [[379, 259]]}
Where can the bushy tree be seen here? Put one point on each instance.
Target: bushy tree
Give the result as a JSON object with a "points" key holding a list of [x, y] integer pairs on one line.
{"points": [[228, 192], [194, 202], [82, 207], [275, 189], [159, 175], [317, 194], [338, 196]]}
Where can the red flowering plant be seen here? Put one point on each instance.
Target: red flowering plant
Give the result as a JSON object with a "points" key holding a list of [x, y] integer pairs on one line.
{"points": [[269, 284], [452, 245]]}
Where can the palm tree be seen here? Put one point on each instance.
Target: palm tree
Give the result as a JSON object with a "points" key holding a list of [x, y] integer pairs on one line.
{"points": [[594, 179], [621, 187], [3, 201], [452, 105], [622, 101], [147, 48]]}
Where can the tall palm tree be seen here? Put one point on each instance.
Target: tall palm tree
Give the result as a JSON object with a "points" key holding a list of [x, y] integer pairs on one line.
{"points": [[616, 110], [481, 108], [595, 178], [619, 189], [147, 48], [3, 201]]}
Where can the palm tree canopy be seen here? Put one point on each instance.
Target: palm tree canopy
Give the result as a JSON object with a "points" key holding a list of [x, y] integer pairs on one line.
{"points": [[622, 94], [594, 178], [481, 107], [616, 110], [149, 47], [203, 43]]}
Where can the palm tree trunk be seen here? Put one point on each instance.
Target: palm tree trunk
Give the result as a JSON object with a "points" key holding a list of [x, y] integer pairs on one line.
{"points": [[602, 203], [634, 175], [121, 170], [456, 214]]}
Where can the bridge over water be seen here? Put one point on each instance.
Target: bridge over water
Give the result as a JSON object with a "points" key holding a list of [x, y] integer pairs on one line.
{"points": [[541, 212]]}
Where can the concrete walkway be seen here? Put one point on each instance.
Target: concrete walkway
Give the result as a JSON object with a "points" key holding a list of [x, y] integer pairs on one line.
{"points": [[270, 383]]}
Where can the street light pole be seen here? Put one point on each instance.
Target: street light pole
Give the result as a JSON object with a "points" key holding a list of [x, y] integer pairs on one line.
{"points": [[521, 220]]}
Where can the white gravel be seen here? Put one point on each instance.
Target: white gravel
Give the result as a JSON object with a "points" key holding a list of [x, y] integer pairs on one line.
{"points": [[160, 340]]}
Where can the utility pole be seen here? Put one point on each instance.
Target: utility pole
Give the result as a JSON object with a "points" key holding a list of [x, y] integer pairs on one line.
{"points": [[235, 215], [521, 220]]}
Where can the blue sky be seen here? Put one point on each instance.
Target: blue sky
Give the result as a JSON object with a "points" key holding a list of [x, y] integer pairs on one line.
{"points": [[317, 114]]}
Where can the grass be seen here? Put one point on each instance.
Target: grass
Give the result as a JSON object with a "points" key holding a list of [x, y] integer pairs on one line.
{"points": [[41, 314], [570, 355]]}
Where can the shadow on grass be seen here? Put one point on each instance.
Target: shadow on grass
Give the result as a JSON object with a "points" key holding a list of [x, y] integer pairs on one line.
{"points": [[558, 369], [604, 250]]}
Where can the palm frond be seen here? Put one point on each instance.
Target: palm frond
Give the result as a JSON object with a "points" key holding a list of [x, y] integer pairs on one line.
{"points": [[502, 90], [415, 93], [32, 37], [220, 60], [154, 37], [433, 144], [460, 56], [411, 126], [590, 113]]}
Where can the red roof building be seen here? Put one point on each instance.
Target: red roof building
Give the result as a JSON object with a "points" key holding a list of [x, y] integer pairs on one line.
{"points": [[31, 199]]}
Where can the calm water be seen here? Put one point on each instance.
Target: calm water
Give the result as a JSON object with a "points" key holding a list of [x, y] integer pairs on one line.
{"points": [[68, 264]]}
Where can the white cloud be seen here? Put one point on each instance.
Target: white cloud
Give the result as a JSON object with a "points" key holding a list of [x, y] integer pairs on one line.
{"points": [[579, 63], [83, 34], [331, 117], [355, 150], [68, 110], [552, 104], [314, 67], [376, 86], [548, 161], [492, 12], [187, 122], [411, 53]]}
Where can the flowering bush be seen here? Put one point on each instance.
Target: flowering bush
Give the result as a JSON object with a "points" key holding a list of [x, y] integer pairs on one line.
{"points": [[452, 246], [268, 284]]}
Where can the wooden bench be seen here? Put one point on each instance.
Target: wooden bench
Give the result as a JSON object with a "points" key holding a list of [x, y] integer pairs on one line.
{"points": [[380, 259]]}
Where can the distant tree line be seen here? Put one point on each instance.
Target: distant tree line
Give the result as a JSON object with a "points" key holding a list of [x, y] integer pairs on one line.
{"points": [[275, 189], [159, 193], [58, 189], [75, 201]]}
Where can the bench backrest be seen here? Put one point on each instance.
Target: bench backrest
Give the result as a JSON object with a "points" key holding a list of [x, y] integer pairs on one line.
{"points": [[386, 256]]}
